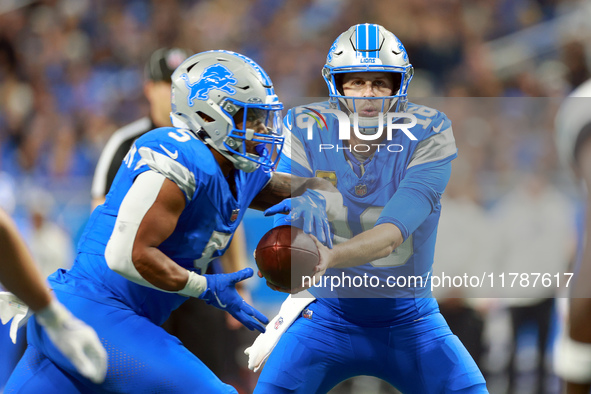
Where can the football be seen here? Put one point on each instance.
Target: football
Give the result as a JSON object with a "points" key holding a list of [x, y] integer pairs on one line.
{"points": [[285, 254]]}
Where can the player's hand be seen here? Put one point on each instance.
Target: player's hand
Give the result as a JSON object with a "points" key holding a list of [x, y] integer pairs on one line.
{"points": [[77, 341], [319, 269], [285, 290], [296, 290], [221, 292], [325, 260], [308, 212], [231, 321]]}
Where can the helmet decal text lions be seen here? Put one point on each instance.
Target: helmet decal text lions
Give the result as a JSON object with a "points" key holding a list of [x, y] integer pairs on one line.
{"points": [[215, 76], [368, 48]]}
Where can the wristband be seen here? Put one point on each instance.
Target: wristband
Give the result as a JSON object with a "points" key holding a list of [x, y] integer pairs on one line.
{"points": [[53, 315], [196, 285], [572, 360]]}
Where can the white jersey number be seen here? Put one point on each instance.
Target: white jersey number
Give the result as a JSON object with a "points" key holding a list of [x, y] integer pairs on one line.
{"points": [[425, 112], [217, 241], [181, 135]]}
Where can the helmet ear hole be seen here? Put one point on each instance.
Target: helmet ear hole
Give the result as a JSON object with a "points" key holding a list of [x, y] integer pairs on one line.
{"points": [[205, 116]]}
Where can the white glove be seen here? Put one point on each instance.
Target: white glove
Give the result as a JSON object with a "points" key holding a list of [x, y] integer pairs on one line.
{"points": [[264, 344], [572, 359], [77, 341], [11, 307]]}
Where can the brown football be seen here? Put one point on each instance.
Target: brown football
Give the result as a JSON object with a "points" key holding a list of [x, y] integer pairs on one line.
{"points": [[285, 254]]}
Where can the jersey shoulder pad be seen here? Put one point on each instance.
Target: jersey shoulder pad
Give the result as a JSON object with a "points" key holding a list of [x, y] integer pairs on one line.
{"points": [[433, 131], [429, 121], [175, 153]]}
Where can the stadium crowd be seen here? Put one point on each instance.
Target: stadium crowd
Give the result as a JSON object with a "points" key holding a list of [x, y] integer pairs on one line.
{"points": [[71, 71]]}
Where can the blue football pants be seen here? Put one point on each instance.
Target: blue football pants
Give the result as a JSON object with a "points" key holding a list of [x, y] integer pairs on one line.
{"points": [[143, 358], [421, 356]]}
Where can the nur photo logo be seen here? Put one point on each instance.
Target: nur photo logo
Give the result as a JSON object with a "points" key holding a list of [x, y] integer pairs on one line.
{"points": [[309, 118]]}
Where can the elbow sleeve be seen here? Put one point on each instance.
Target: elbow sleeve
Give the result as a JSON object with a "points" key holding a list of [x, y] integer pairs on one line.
{"points": [[134, 207]]}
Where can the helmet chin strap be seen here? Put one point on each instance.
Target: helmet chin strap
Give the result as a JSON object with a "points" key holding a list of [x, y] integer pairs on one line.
{"points": [[243, 164], [239, 162]]}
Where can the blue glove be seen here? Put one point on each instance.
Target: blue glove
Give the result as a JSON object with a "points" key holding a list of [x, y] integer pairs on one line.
{"points": [[310, 210], [221, 293]]}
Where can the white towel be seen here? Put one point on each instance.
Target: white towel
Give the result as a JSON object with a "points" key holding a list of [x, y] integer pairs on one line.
{"points": [[11, 307], [262, 347]]}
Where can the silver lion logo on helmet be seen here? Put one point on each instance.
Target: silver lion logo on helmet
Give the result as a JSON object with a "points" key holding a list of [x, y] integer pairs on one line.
{"points": [[331, 50], [401, 50], [228, 101], [213, 77]]}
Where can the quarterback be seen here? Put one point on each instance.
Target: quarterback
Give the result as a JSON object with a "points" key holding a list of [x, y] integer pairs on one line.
{"points": [[391, 186]]}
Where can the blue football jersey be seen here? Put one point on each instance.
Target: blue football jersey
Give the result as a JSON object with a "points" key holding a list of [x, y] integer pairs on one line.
{"points": [[203, 232], [401, 184]]}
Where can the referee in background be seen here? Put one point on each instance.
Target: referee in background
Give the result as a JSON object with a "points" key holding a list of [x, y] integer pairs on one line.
{"points": [[157, 89], [219, 342]]}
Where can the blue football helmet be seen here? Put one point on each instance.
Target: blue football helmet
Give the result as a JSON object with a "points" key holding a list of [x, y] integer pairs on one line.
{"points": [[368, 48], [216, 94]]}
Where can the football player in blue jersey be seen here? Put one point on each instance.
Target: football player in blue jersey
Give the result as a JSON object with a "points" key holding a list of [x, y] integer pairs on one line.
{"points": [[174, 204], [391, 161]]}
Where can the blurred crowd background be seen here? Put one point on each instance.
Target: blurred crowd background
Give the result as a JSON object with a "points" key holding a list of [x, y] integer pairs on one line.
{"points": [[72, 71]]}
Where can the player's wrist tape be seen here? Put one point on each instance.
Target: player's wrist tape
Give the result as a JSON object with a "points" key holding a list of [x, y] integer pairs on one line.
{"points": [[573, 360], [334, 203], [53, 315], [195, 286]]}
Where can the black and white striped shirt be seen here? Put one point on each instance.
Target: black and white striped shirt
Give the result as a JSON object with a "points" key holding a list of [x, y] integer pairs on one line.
{"points": [[114, 152]]}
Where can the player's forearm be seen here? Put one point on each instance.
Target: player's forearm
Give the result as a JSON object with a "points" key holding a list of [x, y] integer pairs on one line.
{"points": [[576, 388], [366, 247], [159, 270], [300, 185], [147, 217], [18, 272], [579, 317], [581, 289], [284, 185]]}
